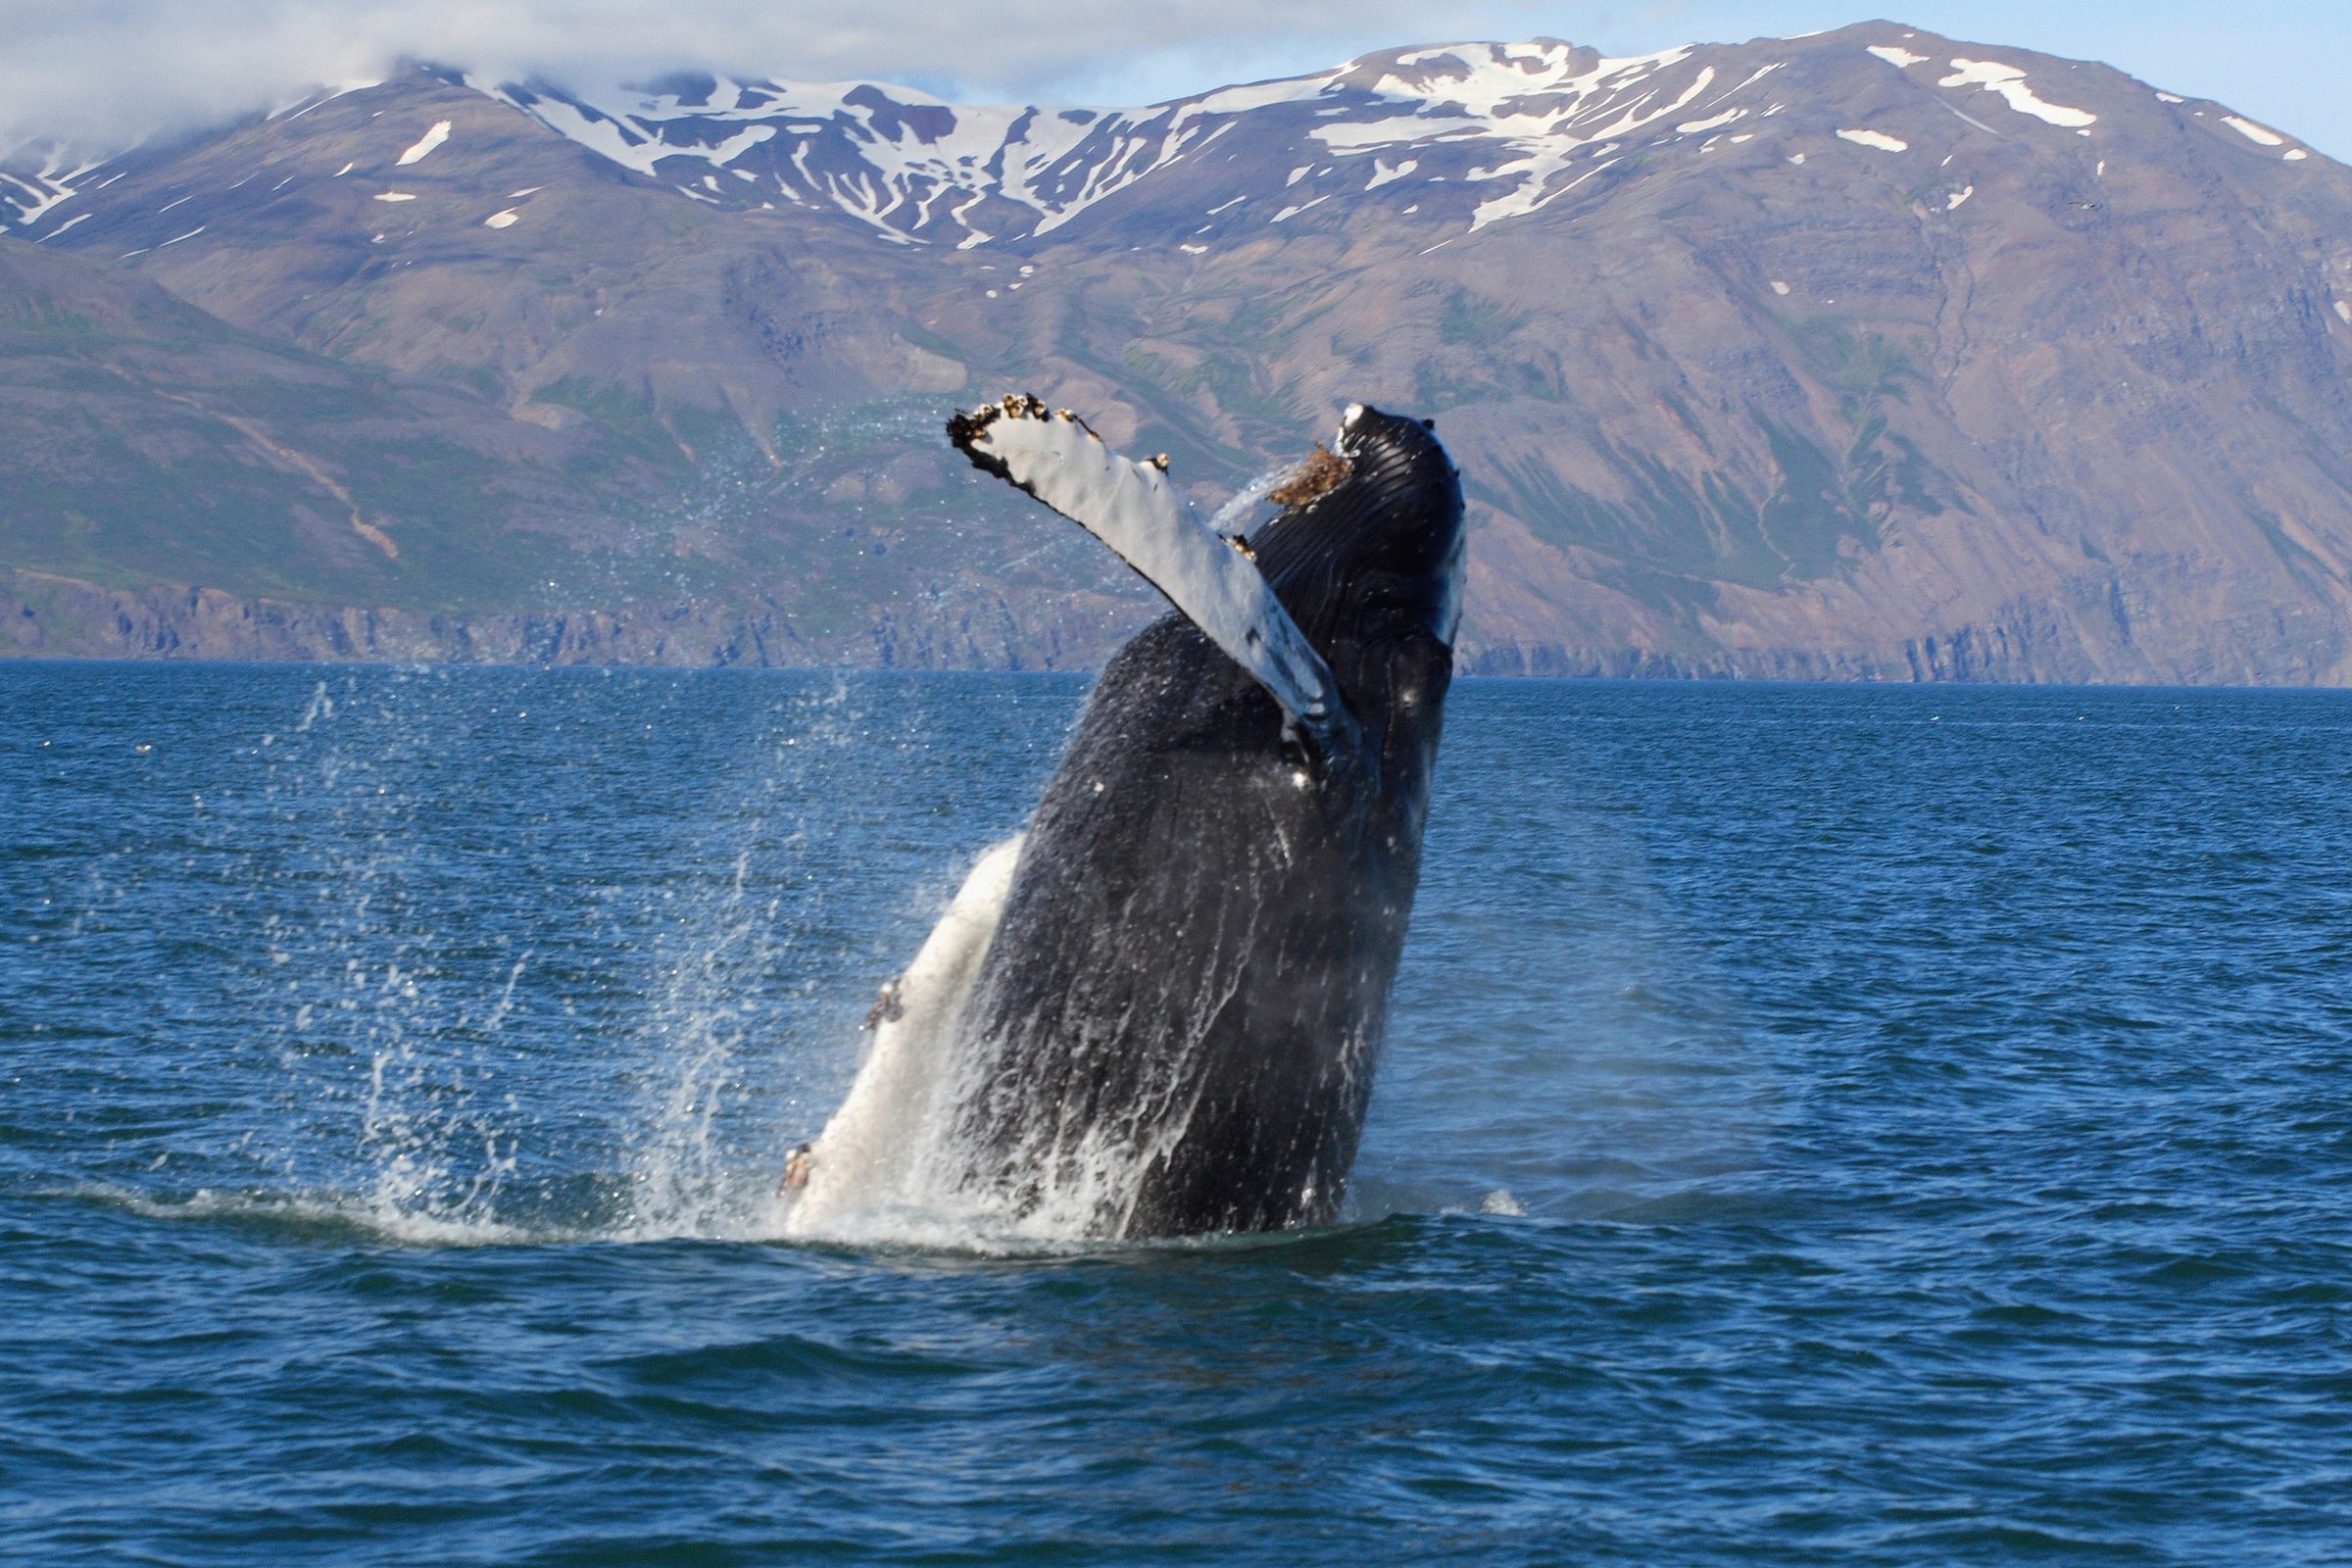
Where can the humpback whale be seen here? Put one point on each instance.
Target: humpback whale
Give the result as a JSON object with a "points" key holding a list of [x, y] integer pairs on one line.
{"points": [[1157, 1013]]}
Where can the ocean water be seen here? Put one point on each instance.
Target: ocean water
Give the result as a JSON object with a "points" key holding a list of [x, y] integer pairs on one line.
{"points": [[1820, 1124]]}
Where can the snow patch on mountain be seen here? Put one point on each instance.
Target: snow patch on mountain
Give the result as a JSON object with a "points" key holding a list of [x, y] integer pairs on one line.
{"points": [[425, 143], [1535, 101], [1690, 127], [36, 195], [2010, 82]]}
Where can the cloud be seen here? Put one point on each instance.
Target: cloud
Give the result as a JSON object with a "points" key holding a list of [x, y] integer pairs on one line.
{"points": [[100, 72]]}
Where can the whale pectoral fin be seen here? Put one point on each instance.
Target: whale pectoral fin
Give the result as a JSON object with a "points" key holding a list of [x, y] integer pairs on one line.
{"points": [[1132, 508]]}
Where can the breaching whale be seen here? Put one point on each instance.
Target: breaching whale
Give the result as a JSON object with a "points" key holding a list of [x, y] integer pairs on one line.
{"points": [[1158, 1011]]}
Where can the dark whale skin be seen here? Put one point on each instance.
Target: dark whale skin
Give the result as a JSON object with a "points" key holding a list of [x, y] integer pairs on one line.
{"points": [[1196, 952]]}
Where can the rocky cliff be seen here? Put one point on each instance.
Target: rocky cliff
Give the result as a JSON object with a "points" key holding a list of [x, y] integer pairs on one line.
{"points": [[1868, 355]]}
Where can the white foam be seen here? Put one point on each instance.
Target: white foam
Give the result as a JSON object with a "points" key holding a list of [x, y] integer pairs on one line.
{"points": [[425, 143], [1874, 139], [2258, 134], [2010, 82], [369, 1212], [1897, 55]]}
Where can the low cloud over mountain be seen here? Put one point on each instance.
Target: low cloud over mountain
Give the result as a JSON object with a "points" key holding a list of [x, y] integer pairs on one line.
{"points": [[107, 72]]}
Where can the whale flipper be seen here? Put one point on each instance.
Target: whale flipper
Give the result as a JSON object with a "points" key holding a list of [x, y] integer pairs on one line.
{"points": [[1132, 508]]}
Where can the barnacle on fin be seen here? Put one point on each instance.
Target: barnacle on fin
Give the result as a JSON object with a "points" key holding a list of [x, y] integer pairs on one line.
{"points": [[1312, 480], [966, 429], [887, 1008]]}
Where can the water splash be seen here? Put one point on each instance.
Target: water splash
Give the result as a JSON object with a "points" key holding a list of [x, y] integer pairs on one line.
{"points": [[479, 1008], [411, 1107], [686, 1182], [1235, 517]]}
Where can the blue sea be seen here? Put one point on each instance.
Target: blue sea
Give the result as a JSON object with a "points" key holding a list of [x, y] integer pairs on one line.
{"points": [[1819, 1124]]}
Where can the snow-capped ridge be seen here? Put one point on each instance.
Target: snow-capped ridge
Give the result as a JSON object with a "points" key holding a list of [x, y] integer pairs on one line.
{"points": [[1464, 135], [925, 171]]}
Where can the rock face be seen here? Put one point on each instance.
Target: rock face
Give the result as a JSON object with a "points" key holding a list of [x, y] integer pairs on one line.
{"points": [[1869, 355]]}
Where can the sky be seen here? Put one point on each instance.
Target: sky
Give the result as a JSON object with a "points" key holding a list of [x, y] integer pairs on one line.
{"points": [[105, 72]]}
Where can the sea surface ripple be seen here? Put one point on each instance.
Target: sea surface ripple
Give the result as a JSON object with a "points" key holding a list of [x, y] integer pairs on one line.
{"points": [[1820, 1124]]}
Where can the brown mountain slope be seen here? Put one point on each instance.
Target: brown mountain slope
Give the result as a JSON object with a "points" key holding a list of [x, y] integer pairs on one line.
{"points": [[143, 441], [1871, 354]]}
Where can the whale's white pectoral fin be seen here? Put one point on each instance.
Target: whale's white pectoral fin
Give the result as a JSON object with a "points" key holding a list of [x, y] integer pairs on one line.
{"points": [[1132, 508], [866, 1155]]}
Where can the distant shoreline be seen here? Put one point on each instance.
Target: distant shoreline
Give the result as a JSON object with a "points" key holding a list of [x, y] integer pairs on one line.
{"points": [[47, 615]]}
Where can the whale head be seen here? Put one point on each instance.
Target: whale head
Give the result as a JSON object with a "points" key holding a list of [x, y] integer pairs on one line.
{"points": [[1370, 545]]}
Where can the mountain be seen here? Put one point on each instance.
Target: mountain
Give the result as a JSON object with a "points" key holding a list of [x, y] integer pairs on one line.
{"points": [[1870, 353]]}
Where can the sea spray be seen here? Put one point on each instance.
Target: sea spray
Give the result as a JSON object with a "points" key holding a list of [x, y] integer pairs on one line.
{"points": [[509, 955], [383, 1019], [409, 1107], [688, 1179]]}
